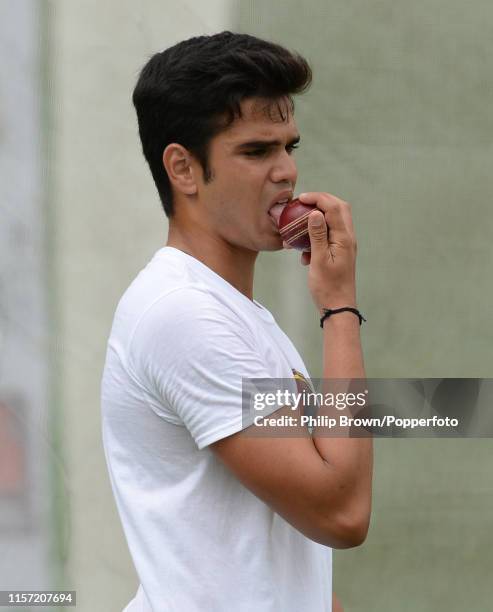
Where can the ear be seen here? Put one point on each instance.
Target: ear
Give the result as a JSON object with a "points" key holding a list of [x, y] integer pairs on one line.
{"points": [[178, 164]]}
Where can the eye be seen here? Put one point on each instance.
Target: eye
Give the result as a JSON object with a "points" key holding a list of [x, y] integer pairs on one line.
{"points": [[256, 153], [290, 148]]}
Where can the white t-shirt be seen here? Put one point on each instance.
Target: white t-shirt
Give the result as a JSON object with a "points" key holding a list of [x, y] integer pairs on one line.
{"points": [[182, 340]]}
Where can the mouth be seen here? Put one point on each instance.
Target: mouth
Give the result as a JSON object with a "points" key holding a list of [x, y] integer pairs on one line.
{"points": [[276, 209]]}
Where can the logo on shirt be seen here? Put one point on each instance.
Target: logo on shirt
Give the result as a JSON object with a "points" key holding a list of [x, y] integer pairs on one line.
{"points": [[302, 383], [304, 388]]}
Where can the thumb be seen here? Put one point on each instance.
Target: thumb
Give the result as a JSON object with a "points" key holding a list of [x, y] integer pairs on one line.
{"points": [[317, 229]]}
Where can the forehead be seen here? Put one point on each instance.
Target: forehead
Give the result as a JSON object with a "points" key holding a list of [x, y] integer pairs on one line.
{"points": [[263, 119]]}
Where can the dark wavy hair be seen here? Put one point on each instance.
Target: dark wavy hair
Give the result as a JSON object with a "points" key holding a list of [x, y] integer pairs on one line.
{"points": [[192, 91]]}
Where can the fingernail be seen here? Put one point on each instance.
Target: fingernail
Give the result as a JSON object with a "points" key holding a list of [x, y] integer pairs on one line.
{"points": [[317, 220]]}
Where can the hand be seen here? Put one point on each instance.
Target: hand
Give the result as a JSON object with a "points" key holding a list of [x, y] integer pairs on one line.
{"points": [[332, 260]]}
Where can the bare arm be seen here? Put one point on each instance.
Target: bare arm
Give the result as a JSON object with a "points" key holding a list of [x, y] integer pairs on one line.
{"points": [[321, 485], [332, 284]]}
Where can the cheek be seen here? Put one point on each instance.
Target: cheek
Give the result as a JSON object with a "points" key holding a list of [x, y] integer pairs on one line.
{"points": [[238, 217], [242, 196]]}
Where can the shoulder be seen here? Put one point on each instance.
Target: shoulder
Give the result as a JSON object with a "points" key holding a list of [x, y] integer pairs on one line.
{"points": [[188, 316], [188, 304]]}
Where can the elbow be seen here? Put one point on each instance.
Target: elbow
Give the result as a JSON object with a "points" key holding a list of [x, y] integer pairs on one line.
{"points": [[355, 533], [345, 531]]}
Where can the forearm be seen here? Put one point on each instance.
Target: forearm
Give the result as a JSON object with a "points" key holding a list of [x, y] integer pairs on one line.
{"points": [[349, 458], [343, 491]]}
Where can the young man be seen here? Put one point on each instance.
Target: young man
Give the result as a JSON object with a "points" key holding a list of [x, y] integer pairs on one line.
{"points": [[217, 520]]}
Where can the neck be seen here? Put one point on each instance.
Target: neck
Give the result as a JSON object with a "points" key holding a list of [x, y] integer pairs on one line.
{"points": [[235, 264]]}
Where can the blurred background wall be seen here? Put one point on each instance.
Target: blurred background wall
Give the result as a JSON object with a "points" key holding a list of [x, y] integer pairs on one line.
{"points": [[28, 458], [108, 224], [398, 122]]}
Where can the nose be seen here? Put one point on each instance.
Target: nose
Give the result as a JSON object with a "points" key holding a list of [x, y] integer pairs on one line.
{"points": [[284, 169]]}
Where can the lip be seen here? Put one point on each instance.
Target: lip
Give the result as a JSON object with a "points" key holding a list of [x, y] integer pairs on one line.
{"points": [[282, 196]]}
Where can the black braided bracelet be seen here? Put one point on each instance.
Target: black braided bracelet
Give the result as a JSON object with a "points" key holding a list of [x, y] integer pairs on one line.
{"points": [[327, 312]]}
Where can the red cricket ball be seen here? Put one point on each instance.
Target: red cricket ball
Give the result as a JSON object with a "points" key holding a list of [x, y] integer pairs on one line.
{"points": [[293, 224]]}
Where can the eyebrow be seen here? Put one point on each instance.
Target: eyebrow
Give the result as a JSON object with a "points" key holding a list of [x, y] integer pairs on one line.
{"points": [[255, 144]]}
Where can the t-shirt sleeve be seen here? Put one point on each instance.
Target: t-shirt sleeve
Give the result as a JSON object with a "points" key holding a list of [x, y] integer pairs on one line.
{"points": [[195, 352]]}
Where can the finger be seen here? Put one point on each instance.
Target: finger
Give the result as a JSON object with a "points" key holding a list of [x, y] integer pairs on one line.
{"points": [[329, 204], [305, 258], [286, 245], [347, 215], [319, 243], [313, 197]]}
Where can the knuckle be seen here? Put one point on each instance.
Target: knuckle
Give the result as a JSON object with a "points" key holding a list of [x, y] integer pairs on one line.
{"points": [[323, 201], [339, 201]]}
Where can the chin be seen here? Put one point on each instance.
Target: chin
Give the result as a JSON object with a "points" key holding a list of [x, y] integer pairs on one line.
{"points": [[274, 244]]}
